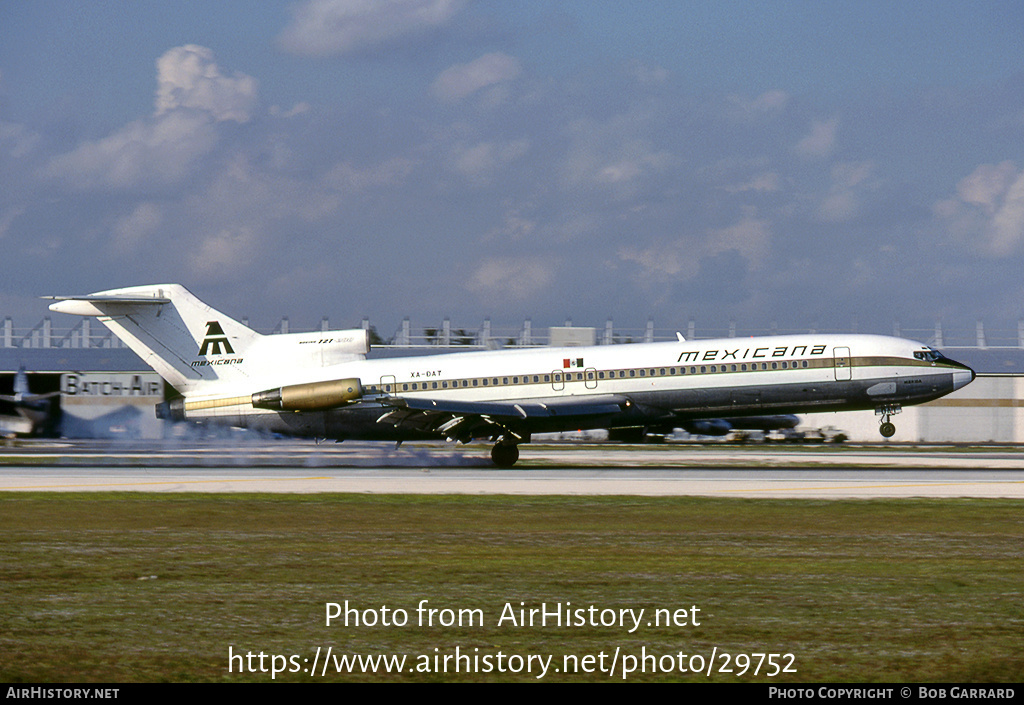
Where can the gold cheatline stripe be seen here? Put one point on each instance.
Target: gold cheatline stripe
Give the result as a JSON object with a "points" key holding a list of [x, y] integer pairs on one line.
{"points": [[217, 403], [983, 403]]}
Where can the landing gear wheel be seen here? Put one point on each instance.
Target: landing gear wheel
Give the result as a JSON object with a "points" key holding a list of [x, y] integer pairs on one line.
{"points": [[887, 429], [504, 455]]}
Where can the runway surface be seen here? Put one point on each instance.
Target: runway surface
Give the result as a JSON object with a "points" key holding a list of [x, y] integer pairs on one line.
{"points": [[300, 467]]}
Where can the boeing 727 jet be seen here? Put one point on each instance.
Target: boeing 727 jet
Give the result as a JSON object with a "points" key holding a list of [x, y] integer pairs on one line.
{"points": [[321, 384]]}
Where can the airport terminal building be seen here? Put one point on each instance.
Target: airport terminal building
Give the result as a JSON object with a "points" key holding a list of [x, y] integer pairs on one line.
{"points": [[106, 391]]}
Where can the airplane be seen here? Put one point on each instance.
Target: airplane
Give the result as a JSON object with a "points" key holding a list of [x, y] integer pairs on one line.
{"points": [[321, 385], [33, 413]]}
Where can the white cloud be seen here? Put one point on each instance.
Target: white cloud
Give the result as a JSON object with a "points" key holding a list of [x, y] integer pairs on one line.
{"points": [[988, 209], [662, 263], [987, 185], [680, 259], [131, 230], [391, 172], [768, 182], [820, 142], [192, 96], [616, 154], [479, 162], [7, 219], [298, 109], [16, 140], [326, 27], [231, 249], [514, 226], [160, 151], [842, 200], [187, 77], [751, 237], [648, 75], [773, 101], [457, 82], [510, 277]]}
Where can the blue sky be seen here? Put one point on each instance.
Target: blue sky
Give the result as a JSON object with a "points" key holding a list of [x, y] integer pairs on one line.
{"points": [[812, 164]]}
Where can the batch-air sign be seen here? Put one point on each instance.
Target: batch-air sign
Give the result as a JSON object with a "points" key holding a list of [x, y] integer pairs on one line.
{"points": [[111, 385]]}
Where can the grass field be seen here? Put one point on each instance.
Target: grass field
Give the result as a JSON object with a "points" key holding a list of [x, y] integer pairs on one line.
{"points": [[158, 587]]}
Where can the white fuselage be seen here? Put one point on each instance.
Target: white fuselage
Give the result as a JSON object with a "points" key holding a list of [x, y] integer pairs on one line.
{"points": [[684, 379]]}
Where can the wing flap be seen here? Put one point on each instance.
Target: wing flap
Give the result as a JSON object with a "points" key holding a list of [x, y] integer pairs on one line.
{"points": [[463, 420], [574, 406]]}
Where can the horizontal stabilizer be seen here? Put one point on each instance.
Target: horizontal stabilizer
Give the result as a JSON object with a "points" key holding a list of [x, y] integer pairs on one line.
{"points": [[87, 305], [112, 299]]}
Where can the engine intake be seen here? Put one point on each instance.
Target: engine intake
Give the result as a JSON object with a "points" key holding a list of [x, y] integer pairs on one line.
{"points": [[312, 396]]}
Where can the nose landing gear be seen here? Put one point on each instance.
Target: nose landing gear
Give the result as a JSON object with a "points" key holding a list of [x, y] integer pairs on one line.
{"points": [[887, 428]]}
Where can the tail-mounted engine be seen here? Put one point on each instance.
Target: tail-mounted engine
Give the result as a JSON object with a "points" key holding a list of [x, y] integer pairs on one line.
{"points": [[312, 396]]}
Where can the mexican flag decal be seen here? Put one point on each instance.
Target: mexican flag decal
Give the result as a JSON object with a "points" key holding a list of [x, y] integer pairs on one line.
{"points": [[578, 362]]}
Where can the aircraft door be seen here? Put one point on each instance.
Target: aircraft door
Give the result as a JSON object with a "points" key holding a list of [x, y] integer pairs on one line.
{"points": [[842, 364], [388, 385], [558, 380], [590, 376]]}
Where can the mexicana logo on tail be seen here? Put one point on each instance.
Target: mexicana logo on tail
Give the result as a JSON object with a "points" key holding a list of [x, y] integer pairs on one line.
{"points": [[216, 341]]}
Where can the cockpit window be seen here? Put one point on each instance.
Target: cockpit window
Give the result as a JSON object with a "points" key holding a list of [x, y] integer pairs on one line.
{"points": [[928, 355]]}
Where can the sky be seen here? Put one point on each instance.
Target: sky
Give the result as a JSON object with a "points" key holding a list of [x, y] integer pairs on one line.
{"points": [[801, 165]]}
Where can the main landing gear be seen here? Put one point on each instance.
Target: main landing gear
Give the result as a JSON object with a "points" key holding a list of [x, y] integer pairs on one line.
{"points": [[504, 454], [887, 428]]}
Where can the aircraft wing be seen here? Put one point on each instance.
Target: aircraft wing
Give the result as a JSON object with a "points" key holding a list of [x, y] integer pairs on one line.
{"points": [[464, 420]]}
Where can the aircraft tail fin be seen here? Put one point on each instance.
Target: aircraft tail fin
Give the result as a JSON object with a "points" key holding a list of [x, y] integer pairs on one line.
{"points": [[188, 343]]}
